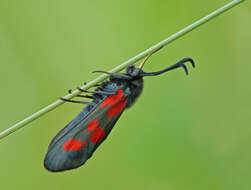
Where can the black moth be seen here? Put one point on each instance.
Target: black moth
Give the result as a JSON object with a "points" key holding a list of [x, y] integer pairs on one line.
{"points": [[76, 142]]}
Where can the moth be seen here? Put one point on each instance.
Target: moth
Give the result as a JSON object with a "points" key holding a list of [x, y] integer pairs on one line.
{"points": [[77, 141]]}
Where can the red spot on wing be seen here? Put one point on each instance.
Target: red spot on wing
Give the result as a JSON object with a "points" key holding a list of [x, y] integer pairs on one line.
{"points": [[97, 135], [117, 108], [112, 98], [92, 125], [118, 103], [74, 144]]}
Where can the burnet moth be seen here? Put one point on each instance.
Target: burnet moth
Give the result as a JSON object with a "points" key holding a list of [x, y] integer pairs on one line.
{"points": [[76, 142]]}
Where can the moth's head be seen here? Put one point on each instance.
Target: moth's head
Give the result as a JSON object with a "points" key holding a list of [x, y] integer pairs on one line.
{"points": [[134, 72]]}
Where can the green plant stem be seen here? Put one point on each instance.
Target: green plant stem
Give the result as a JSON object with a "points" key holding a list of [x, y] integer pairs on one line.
{"points": [[102, 77]]}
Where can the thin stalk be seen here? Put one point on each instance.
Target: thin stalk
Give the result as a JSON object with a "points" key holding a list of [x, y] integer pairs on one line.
{"points": [[102, 77]]}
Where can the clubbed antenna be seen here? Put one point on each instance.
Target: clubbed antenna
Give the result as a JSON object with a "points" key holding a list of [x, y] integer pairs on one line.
{"points": [[180, 63]]}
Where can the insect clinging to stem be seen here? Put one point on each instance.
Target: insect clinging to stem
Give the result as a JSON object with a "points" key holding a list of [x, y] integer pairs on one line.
{"points": [[77, 141]]}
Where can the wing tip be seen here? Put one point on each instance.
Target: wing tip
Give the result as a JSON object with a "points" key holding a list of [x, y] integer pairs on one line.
{"points": [[52, 166]]}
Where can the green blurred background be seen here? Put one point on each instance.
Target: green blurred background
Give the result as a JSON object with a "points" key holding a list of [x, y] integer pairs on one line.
{"points": [[184, 133]]}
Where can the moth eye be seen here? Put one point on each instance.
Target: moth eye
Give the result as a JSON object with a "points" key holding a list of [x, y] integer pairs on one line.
{"points": [[130, 69]]}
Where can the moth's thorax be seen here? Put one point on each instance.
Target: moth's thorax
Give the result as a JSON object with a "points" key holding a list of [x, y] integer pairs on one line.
{"points": [[133, 91], [131, 88]]}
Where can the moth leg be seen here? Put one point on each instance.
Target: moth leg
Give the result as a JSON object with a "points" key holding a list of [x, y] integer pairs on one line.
{"points": [[85, 96], [115, 75], [96, 85], [147, 57], [76, 101], [106, 72], [82, 96], [96, 92]]}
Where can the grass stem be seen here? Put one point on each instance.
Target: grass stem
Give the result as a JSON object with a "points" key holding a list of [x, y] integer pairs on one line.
{"points": [[102, 77]]}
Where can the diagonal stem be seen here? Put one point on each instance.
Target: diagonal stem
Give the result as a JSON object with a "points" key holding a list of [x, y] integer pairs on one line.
{"points": [[102, 77]]}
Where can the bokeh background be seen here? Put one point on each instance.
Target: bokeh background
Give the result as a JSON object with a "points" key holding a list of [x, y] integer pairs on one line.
{"points": [[184, 133]]}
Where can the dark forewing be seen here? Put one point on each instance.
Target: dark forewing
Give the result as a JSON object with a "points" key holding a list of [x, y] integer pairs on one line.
{"points": [[74, 123], [77, 144]]}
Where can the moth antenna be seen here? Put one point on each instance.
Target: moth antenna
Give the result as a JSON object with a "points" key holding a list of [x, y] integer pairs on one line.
{"points": [[148, 56], [180, 63]]}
